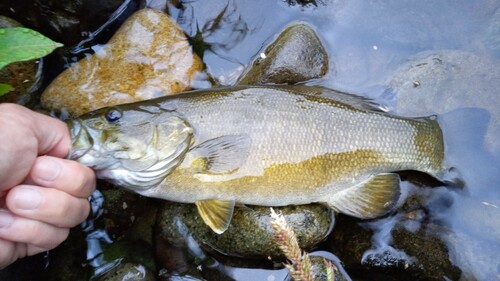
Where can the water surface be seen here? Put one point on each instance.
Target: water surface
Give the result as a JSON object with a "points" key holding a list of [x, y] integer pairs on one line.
{"points": [[416, 57]]}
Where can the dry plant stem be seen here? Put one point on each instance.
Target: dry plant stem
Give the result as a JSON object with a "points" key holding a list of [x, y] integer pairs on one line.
{"points": [[301, 267], [330, 267]]}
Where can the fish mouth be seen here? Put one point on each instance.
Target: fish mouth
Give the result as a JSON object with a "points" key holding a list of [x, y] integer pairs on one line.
{"points": [[81, 142]]}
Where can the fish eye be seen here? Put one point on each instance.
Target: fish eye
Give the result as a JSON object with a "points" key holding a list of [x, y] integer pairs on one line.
{"points": [[113, 115]]}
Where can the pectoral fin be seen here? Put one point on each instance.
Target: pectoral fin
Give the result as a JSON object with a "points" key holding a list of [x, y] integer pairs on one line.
{"points": [[373, 198], [216, 213], [221, 155]]}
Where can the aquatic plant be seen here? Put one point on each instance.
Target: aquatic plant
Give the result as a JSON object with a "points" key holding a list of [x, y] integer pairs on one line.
{"points": [[301, 267], [21, 44]]}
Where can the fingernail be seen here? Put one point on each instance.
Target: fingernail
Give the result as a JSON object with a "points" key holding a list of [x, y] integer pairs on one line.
{"points": [[5, 218], [26, 198], [47, 169]]}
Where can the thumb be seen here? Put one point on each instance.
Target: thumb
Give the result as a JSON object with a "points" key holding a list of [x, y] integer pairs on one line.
{"points": [[51, 135], [25, 135]]}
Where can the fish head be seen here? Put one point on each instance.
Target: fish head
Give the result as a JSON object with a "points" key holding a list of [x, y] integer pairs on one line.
{"points": [[132, 148]]}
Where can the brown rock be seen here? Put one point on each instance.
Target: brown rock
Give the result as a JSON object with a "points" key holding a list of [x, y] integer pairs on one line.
{"points": [[297, 55], [148, 57]]}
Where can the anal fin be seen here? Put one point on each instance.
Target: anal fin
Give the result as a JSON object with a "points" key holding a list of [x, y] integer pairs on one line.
{"points": [[216, 214], [372, 198]]}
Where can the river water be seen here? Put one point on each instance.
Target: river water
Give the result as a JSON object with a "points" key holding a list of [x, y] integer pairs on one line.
{"points": [[415, 57]]}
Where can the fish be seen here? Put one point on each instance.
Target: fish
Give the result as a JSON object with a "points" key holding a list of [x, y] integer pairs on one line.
{"points": [[226, 147]]}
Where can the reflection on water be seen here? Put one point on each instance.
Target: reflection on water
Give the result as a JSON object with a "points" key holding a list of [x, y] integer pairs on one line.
{"points": [[96, 236], [474, 240]]}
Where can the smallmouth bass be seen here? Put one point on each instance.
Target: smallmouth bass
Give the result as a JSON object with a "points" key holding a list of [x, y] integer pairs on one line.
{"points": [[258, 145]]}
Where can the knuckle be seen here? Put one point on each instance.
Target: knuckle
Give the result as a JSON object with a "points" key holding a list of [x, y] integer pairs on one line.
{"points": [[71, 213], [59, 236], [63, 213], [51, 238], [7, 255], [79, 185], [32, 231], [83, 181]]}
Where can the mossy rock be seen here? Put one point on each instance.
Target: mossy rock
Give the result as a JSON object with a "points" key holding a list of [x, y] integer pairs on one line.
{"points": [[250, 233]]}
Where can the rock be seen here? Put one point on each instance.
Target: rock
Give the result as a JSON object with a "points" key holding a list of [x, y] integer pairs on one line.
{"points": [[440, 82], [305, 3], [491, 35], [319, 268], [128, 215], [297, 55], [148, 57], [127, 272], [415, 253], [24, 76], [135, 251], [250, 233], [68, 261]]}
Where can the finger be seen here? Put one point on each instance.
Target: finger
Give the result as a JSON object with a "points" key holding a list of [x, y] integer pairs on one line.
{"points": [[27, 134], [48, 205], [8, 254], [52, 135], [65, 175], [40, 235]]}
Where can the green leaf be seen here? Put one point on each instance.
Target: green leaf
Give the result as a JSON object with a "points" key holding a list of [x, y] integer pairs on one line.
{"points": [[5, 88], [20, 44]]}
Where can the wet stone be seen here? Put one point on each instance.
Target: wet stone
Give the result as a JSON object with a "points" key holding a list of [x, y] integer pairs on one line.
{"points": [[24, 76], [68, 261], [439, 82], [319, 269], [134, 251], [415, 253], [250, 233], [491, 35], [148, 57], [128, 272], [128, 215], [297, 55]]}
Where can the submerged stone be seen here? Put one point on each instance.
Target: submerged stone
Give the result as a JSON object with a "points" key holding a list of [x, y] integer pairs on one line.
{"points": [[439, 82], [321, 266], [491, 35], [297, 55], [403, 246], [250, 233], [148, 57], [129, 272]]}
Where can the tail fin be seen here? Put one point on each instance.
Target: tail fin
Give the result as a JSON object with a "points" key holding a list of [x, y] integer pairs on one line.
{"points": [[430, 144]]}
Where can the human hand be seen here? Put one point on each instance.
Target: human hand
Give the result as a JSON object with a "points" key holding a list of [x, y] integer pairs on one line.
{"points": [[42, 195]]}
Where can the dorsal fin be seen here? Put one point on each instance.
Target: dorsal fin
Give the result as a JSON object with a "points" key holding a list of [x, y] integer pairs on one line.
{"points": [[355, 101]]}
